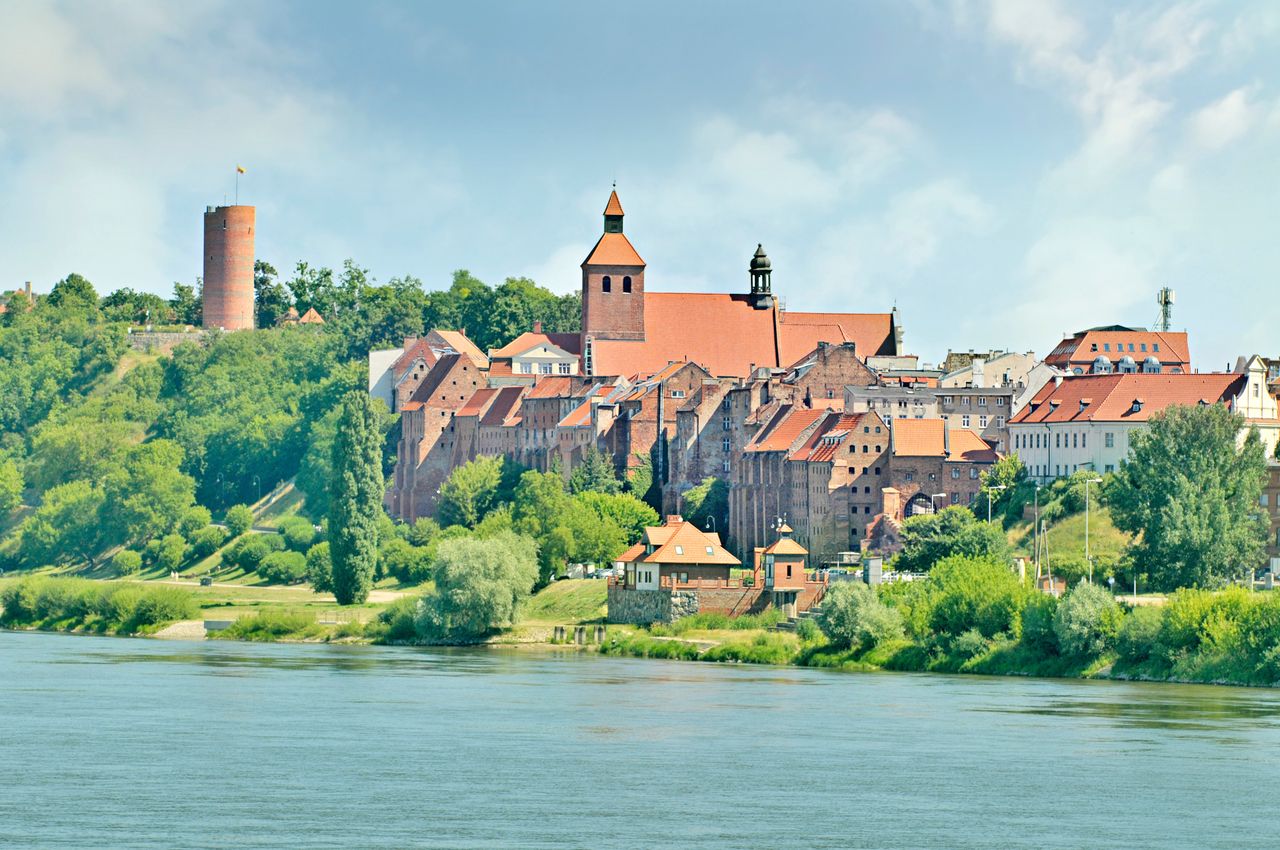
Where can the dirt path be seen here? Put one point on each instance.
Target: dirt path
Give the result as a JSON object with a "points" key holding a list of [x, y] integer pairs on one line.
{"points": [[183, 630]]}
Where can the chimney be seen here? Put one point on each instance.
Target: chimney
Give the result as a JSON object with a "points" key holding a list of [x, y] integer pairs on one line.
{"points": [[537, 327]]}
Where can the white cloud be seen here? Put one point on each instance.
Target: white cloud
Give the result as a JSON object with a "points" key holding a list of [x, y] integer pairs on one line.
{"points": [[1225, 120]]}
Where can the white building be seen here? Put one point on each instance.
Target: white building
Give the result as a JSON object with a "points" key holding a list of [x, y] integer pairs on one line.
{"points": [[1086, 422]]}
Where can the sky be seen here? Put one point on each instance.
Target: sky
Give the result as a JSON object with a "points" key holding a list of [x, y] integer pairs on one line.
{"points": [[1003, 172]]}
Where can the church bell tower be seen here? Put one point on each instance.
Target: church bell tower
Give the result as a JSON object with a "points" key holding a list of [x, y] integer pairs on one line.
{"points": [[612, 283]]}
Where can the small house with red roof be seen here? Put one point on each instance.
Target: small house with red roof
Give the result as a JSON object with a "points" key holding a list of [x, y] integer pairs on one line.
{"points": [[534, 354]]}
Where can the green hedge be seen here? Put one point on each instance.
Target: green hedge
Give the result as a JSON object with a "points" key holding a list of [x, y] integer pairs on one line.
{"points": [[68, 604]]}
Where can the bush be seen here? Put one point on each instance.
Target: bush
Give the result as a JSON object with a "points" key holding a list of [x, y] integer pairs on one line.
{"points": [[171, 552], [975, 593], [283, 567], [319, 568], [272, 625], [248, 553], [1139, 635], [408, 563], [71, 604], [127, 562], [298, 533], [207, 540], [480, 586], [397, 623], [767, 648], [807, 630], [239, 519], [970, 643], [1087, 621], [855, 617], [1038, 631]]}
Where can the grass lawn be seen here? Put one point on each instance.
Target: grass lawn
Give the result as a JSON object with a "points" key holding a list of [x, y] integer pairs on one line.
{"points": [[568, 602], [1066, 537]]}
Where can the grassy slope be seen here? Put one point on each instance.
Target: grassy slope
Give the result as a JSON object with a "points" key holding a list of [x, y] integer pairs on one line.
{"points": [[567, 602], [1066, 537]]}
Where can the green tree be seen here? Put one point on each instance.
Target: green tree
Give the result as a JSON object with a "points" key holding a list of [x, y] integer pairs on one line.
{"points": [[480, 585], [320, 568], [270, 298], [707, 505], [239, 519], [149, 495], [355, 497], [186, 305], [1087, 621], [929, 538], [625, 510], [975, 593], [594, 474], [127, 562], [67, 525], [1191, 495], [470, 492], [10, 487], [171, 552], [74, 294], [539, 511], [854, 616]]}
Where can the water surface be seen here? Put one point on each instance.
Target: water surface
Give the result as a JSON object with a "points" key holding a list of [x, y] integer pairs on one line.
{"points": [[152, 744]]}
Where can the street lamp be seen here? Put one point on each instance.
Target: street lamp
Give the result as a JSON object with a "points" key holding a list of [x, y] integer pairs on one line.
{"points": [[933, 500], [989, 489], [1087, 482], [1035, 532]]}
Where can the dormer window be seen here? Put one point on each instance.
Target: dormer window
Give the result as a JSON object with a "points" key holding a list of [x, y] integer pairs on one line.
{"points": [[679, 549], [606, 283], [1137, 406]]}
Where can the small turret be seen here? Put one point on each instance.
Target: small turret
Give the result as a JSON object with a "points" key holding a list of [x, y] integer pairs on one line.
{"points": [[761, 283]]}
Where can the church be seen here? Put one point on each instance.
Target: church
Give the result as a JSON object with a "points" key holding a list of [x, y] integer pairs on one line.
{"points": [[627, 330]]}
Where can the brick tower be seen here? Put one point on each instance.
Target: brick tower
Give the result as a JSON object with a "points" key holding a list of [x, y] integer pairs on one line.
{"points": [[613, 283], [228, 267]]}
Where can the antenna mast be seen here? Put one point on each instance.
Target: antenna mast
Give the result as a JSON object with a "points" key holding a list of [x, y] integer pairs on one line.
{"points": [[1164, 299]]}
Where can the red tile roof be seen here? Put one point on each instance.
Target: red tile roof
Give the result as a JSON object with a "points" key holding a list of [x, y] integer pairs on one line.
{"points": [[822, 443], [679, 543], [967, 445], [551, 386], [725, 334], [1110, 398], [311, 317], [1113, 343], [581, 415], [529, 340], [459, 342], [613, 249], [782, 431], [475, 405], [505, 406], [919, 437]]}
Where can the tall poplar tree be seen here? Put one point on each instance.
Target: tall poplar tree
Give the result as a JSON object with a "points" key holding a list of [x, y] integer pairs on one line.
{"points": [[355, 499]]}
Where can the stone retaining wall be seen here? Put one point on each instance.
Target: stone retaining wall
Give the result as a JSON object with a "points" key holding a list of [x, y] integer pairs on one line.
{"points": [[650, 606], [163, 343]]}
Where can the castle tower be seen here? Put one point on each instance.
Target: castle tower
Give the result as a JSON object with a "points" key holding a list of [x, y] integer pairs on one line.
{"points": [[613, 283], [228, 267]]}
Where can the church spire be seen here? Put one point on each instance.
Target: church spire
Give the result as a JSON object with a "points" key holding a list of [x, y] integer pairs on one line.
{"points": [[613, 214]]}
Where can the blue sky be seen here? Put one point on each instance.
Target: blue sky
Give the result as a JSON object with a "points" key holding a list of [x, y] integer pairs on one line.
{"points": [[1003, 171]]}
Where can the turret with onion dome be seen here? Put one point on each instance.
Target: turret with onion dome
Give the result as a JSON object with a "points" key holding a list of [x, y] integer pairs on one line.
{"points": [[761, 282]]}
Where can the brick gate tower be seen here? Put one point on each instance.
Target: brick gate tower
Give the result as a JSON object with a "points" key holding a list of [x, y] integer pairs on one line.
{"points": [[228, 267]]}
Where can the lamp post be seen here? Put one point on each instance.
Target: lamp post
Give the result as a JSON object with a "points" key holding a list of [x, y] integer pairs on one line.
{"points": [[933, 500], [1087, 557], [989, 489], [1036, 530]]}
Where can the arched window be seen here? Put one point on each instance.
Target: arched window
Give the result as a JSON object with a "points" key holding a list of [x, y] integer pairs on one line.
{"points": [[606, 284], [626, 283]]}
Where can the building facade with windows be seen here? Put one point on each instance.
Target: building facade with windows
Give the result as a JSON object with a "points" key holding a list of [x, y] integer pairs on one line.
{"points": [[1117, 349]]}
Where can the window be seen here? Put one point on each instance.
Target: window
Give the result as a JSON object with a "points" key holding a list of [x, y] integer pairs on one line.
{"points": [[933, 476], [1264, 500], [1106, 346], [946, 399], [1084, 440], [1111, 467], [999, 421], [710, 551], [1143, 347], [626, 283], [955, 498], [526, 368], [982, 421], [679, 549], [724, 444], [606, 283], [725, 466], [1000, 401], [965, 401], [877, 470], [1093, 346], [910, 476], [564, 368], [1131, 346], [982, 401], [866, 490], [964, 420], [866, 509], [973, 472], [955, 472], [1155, 346], [544, 368]]}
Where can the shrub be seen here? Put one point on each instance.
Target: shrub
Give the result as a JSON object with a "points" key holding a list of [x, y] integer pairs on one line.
{"points": [[397, 622], [127, 562], [67, 604], [1139, 635], [807, 630], [283, 567], [319, 568], [171, 553], [480, 586], [1087, 621], [298, 533], [854, 616], [970, 643], [239, 519], [250, 551], [975, 593], [767, 648], [408, 563], [207, 540], [1038, 631], [272, 625]]}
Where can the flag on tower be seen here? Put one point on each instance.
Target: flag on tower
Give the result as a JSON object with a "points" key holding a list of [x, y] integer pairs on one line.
{"points": [[239, 169]]}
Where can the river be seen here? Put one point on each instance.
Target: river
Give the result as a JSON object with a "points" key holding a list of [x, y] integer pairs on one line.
{"points": [[119, 743]]}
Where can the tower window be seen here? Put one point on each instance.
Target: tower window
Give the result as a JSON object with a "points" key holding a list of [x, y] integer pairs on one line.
{"points": [[606, 283], [626, 283]]}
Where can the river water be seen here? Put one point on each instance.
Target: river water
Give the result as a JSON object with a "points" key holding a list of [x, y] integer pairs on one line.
{"points": [[118, 743]]}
